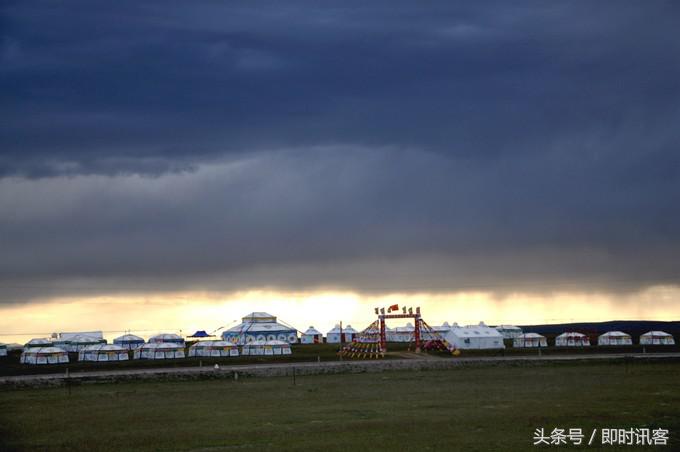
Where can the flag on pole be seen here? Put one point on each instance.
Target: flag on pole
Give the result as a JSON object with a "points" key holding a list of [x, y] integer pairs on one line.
{"points": [[394, 307]]}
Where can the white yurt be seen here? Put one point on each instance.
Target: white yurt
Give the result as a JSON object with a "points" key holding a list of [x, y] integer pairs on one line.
{"points": [[266, 348], [166, 338], [529, 340], [656, 338], [77, 343], [159, 350], [337, 335], [38, 342], [311, 336], [44, 355], [103, 352], [474, 337], [614, 338], [572, 339], [213, 349], [3, 349], [129, 341], [260, 326], [509, 331]]}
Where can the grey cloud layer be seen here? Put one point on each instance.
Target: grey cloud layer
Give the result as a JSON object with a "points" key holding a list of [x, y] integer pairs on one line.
{"points": [[389, 145], [366, 219]]}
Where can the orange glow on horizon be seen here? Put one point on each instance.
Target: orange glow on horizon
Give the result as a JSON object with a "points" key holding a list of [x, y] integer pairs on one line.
{"points": [[190, 311]]}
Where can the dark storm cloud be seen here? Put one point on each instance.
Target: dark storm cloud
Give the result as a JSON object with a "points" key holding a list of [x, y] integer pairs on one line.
{"points": [[381, 147]]}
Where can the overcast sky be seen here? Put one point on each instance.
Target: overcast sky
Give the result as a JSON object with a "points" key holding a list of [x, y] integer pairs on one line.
{"points": [[398, 146]]}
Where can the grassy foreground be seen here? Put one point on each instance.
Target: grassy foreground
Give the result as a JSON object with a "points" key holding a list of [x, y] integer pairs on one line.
{"points": [[475, 409]]}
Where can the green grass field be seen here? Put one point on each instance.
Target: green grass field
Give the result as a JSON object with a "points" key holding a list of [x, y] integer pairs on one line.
{"points": [[474, 409]]}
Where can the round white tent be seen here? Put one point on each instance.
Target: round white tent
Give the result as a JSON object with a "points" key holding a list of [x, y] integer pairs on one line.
{"points": [[213, 349], [614, 338], [529, 340], [311, 336], [657, 338], [337, 335], [260, 326], [266, 348], [78, 343], [129, 341], [44, 355], [163, 350], [103, 352], [166, 338], [572, 339], [3, 349]]}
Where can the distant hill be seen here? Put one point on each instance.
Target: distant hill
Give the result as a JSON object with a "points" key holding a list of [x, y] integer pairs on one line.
{"points": [[593, 329]]}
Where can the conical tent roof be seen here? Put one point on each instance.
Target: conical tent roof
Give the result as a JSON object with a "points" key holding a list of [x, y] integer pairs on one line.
{"points": [[129, 338], [351, 330], [85, 340], [259, 317], [311, 331], [201, 333], [657, 333], [166, 337], [615, 334], [531, 335], [39, 342], [571, 334]]}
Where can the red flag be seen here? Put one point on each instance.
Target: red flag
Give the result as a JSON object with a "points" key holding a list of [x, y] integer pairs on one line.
{"points": [[394, 307]]}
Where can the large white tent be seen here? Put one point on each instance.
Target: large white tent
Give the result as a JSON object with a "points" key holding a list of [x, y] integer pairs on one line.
{"points": [[311, 336], [336, 335], [38, 342], [166, 338], [162, 350], [44, 355], [3, 349], [266, 348], [103, 352], [529, 340], [129, 341], [572, 339], [614, 338], [213, 349], [474, 337], [260, 326], [656, 338]]}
